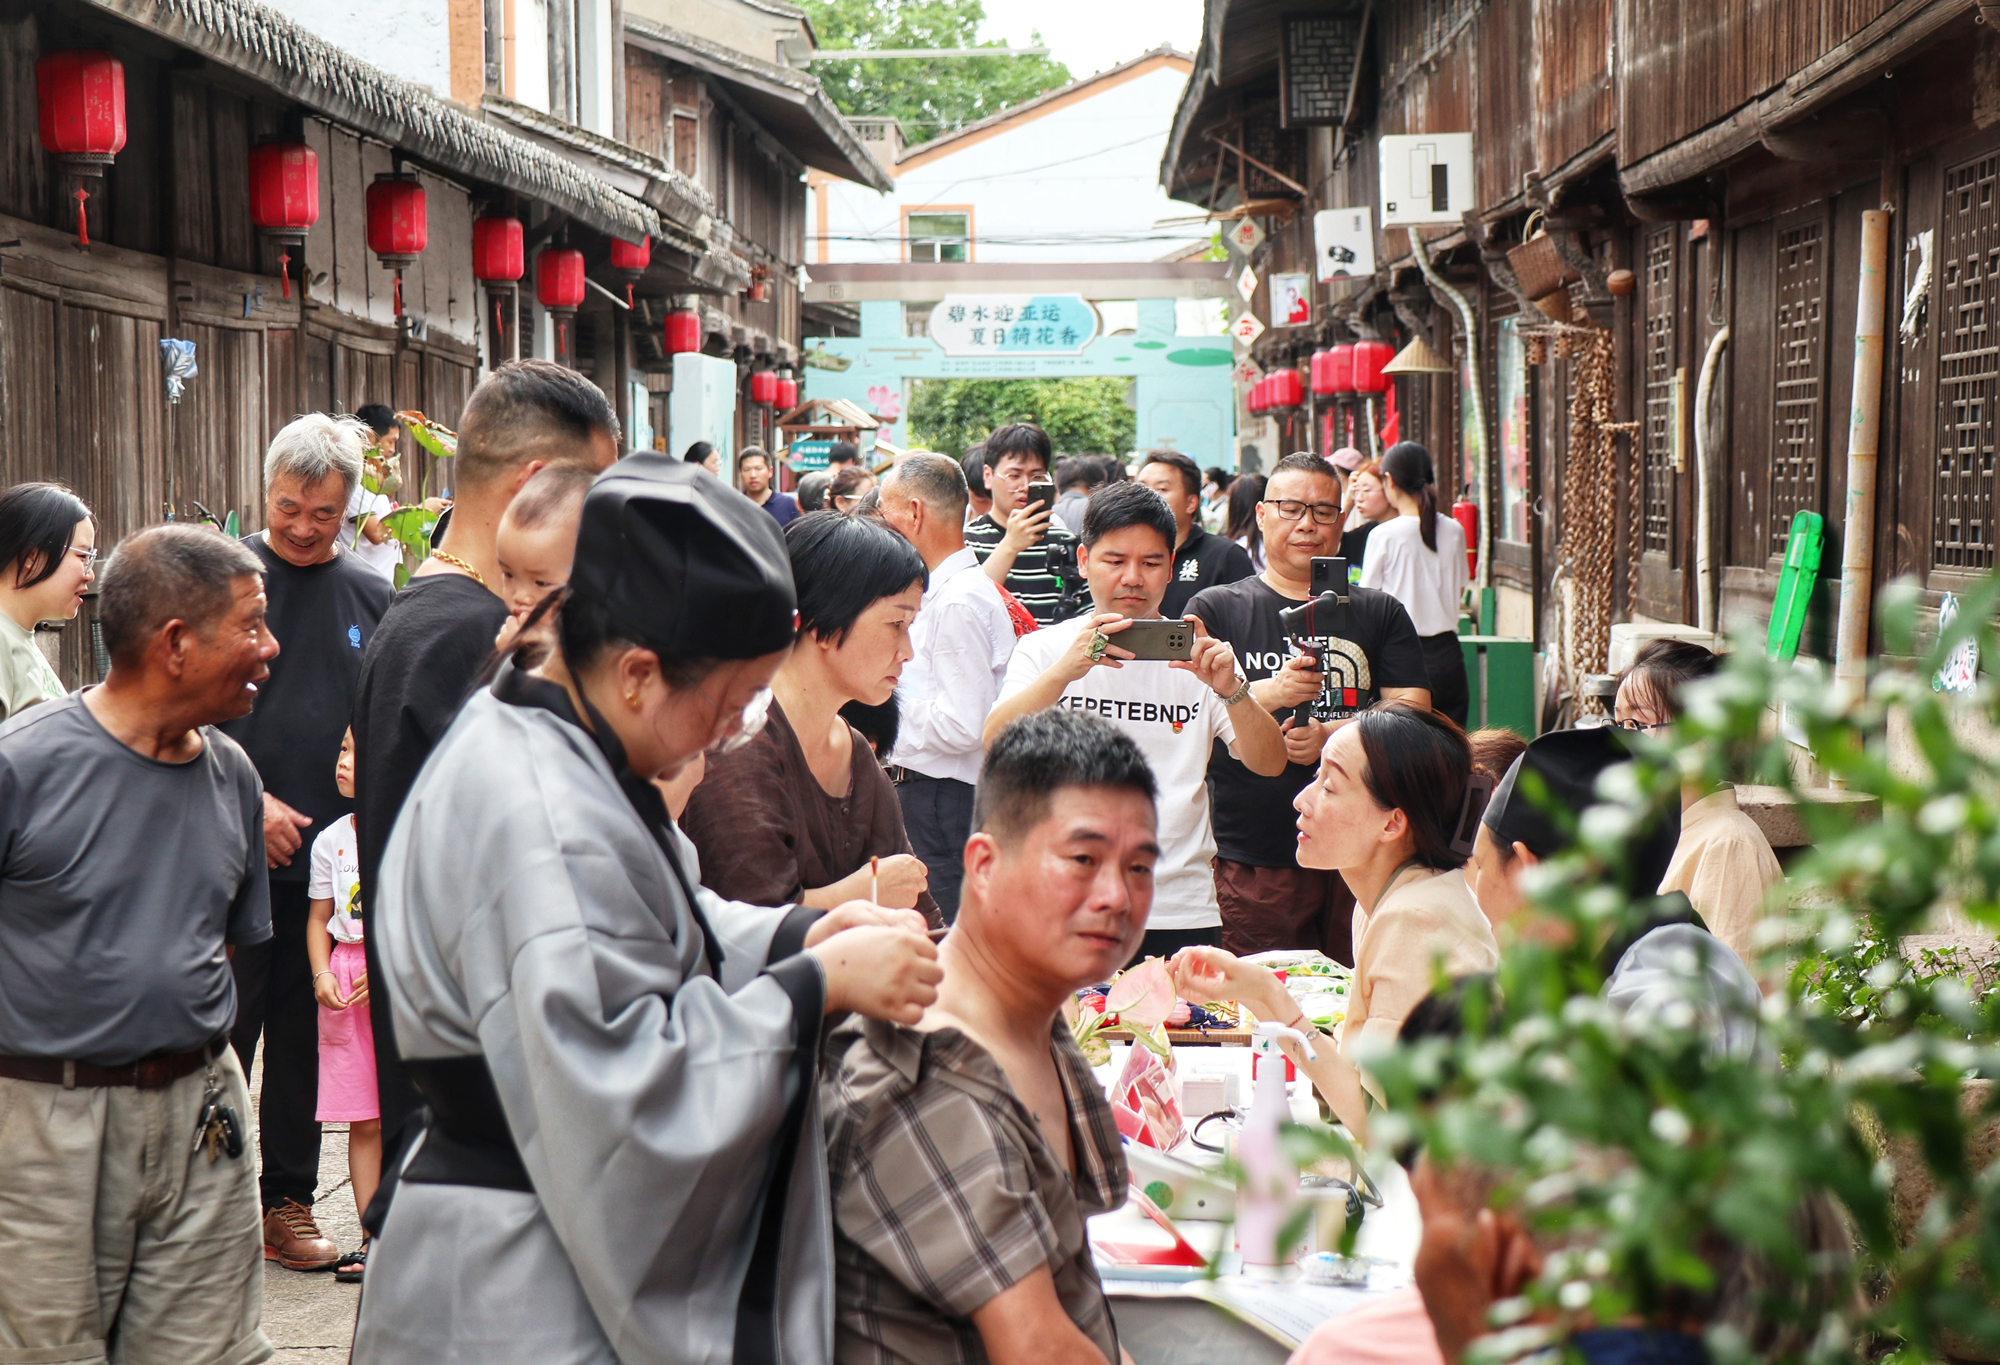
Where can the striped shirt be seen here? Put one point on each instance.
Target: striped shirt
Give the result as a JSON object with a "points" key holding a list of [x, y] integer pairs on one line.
{"points": [[1030, 580], [945, 1193]]}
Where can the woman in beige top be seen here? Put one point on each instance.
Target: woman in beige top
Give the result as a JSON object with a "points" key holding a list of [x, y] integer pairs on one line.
{"points": [[1384, 812], [48, 547], [1723, 862]]}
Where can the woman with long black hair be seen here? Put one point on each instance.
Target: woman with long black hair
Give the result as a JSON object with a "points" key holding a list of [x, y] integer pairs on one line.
{"points": [[1245, 492], [1418, 558], [48, 548]]}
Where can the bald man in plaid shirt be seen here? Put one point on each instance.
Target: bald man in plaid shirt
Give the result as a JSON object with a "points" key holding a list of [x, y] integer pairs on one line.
{"points": [[966, 1153]]}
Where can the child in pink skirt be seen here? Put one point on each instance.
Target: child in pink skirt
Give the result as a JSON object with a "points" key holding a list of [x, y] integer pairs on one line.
{"points": [[347, 1091]]}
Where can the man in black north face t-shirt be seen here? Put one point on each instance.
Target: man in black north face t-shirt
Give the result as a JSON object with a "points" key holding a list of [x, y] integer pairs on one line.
{"points": [[1370, 652]]}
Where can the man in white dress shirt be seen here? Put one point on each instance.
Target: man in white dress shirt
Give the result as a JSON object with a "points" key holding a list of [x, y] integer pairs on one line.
{"points": [[963, 639]]}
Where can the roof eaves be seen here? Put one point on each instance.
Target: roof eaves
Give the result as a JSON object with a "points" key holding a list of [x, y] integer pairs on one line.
{"points": [[1014, 111], [281, 53], [1207, 60], [805, 90], [685, 202]]}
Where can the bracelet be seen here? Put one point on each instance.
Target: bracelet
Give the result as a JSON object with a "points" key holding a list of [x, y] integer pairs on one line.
{"points": [[318, 975]]}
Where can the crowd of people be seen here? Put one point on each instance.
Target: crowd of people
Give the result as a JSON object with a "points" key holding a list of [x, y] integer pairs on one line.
{"points": [[677, 887]]}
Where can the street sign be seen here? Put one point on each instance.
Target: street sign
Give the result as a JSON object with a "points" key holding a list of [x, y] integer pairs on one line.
{"points": [[1244, 234], [1247, 328], [1246, 372], [1344, 243], [809, 453], [1291, 300], [1426, 178], [1246, 283], [1013, 324]]}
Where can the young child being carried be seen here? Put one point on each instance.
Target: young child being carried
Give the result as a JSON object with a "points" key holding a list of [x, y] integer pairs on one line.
{"points": [[347, 1091], [535, 545]]}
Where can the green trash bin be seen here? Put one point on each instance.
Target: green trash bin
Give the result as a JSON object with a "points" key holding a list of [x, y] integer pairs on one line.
{"points": [[1500, 676]]}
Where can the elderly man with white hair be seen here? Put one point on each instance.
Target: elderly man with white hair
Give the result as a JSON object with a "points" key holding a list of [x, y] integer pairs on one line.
{"points": [[324, 604]]}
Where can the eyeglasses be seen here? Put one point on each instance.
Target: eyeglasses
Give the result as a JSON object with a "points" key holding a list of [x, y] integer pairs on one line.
{"points": [[1644, 727], [756, 712], [88, 556], [1325, 513]]}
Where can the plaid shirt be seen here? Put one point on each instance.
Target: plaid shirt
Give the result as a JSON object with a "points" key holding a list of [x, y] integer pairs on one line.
{"points": [[945, 1193]]}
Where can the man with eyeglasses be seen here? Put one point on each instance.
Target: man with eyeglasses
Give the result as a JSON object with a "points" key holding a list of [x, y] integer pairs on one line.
{"points": [[1268, 901], [324, 606]]}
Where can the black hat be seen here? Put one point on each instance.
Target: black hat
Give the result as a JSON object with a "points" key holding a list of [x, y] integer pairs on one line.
{"points": [[684, 563], [1568, 762]]}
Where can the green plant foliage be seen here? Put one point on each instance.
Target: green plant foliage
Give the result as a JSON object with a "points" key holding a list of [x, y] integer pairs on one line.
{"points": [[930, 98], [1646, 1153], [1081, 416]]}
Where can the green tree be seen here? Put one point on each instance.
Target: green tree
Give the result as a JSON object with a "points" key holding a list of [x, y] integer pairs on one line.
{"points": [[1081, 416], [929, 97]]}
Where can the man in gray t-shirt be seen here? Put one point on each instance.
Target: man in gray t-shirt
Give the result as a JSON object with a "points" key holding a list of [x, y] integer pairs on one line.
{"points": [[131, 857]]}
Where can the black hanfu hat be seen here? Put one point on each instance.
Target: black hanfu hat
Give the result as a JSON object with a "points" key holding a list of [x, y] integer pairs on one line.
{"points": [[684, 563], [1568, 764]]}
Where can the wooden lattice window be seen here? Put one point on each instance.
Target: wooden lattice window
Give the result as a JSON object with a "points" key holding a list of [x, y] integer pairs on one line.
{"points": [[1656, 509], [1968, 274], [1799, 436], [1316, 67]]}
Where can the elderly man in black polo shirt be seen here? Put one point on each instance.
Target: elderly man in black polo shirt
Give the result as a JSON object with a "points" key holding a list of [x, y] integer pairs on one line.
{"points": [[134, 842], [1201, 559], [324, 603]]}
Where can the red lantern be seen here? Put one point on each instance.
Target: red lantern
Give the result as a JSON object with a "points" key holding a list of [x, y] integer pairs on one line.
{"points": [[498, 256], [398, 225], [1255, 399], [683, 331], [559, 288], [284, 197], [764, 387], [788, 391], [1369, 358], [631, 261], [80, 101], [1340, 369], [1287, 389]]}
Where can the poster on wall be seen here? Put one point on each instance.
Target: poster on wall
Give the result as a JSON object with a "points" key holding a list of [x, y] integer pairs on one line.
{"points": [[1013, 324], [1291, 300], [1344, 243], [1426, 178]]}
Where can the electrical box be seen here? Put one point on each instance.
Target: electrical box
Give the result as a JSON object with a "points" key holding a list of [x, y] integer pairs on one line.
{"points": [[1426, 178]]}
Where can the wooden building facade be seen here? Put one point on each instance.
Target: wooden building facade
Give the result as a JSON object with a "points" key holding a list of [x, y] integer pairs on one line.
{"points": [[1699, 171]]}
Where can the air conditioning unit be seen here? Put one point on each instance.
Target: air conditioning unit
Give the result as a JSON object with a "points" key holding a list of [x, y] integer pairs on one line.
{"points": [[1426, 178]]}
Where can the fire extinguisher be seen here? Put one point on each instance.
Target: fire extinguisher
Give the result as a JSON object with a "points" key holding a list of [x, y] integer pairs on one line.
{"points": [[1466, 514]]}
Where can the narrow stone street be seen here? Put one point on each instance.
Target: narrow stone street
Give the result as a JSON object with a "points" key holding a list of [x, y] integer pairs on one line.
{"points": [[310, 1318]]}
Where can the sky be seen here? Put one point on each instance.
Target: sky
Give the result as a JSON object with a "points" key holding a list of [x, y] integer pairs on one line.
{"points": [[1090, 35]]}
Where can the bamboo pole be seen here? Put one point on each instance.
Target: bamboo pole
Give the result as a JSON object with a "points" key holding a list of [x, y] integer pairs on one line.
{"points": [[1864, 433]]}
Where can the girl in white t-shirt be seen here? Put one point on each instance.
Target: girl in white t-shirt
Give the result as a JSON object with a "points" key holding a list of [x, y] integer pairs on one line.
{"points": [[1418, 558], [347, 1091]]}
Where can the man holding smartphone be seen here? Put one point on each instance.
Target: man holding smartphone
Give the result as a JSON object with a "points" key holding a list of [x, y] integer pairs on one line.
{"points": [[1176, 709], [1013, 539], [1268, 900]]}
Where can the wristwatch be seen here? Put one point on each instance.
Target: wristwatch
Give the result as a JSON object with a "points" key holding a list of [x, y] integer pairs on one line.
{"points": [[1242, 691]]}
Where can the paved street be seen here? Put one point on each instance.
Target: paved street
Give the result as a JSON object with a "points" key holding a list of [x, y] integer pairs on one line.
{"points": [[310, 1318]]}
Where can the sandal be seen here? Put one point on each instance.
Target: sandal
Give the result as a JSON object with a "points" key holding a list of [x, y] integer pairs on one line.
{"points": [[348, 1269]]}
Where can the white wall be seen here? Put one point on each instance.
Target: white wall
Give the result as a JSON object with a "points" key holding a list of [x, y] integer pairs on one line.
{"points": [[530, 57], [407, 38], [597, 69], [1078, 184]]}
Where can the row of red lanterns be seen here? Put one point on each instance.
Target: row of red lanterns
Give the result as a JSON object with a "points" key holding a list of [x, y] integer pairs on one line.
{"points": [[774, 388], [1351, 367]]}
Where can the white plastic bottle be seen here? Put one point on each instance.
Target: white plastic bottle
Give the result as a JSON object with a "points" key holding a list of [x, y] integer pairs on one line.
{"points": [[1269, 1188]]}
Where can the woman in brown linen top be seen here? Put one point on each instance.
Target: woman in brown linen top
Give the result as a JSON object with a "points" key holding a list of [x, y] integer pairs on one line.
{"points": [[796, 814]]}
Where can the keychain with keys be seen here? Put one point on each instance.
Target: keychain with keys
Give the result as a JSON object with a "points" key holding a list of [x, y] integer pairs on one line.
{"points": [[217, 1124]]}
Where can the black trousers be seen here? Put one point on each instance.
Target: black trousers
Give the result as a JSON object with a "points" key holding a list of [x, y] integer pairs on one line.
{"points": [[1451, 692], [937, 815], [1167, 942], [274, 997]]}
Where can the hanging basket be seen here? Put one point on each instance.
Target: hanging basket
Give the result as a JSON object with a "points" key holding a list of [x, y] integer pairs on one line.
{"points": [[1555, 307], [1539, 267]]}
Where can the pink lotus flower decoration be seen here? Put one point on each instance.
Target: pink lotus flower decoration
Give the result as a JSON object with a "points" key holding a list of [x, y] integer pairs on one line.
{"points": [[1144, 996], [887, 402]]}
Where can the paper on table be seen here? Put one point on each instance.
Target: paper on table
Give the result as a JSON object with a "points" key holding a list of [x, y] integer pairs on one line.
{"points": [[1286, 1312]]}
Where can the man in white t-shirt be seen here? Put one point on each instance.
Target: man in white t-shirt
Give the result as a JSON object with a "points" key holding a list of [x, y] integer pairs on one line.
{"points": [[1175, 711]]}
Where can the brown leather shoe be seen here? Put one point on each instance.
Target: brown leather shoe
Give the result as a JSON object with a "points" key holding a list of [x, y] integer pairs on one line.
{"points": [[293, 1240]]}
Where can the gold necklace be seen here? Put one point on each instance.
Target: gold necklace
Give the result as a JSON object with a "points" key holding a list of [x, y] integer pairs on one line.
{"points": [[458, 563]]}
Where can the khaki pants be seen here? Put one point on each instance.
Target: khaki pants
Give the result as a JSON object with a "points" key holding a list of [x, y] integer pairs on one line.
{"points": [[118, 1243]]}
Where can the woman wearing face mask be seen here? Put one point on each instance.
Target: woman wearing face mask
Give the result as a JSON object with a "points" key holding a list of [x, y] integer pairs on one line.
{"points": [[1418, 558], [1384, 812], [798, 813], [48, 546], [622, 1159]]}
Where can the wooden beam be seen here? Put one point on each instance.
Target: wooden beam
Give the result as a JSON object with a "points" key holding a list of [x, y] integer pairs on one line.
{"points": [[1271, 171]]}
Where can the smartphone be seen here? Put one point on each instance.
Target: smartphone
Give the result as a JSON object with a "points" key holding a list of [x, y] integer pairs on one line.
{"points": [[1157, 640], [1044, 493], [1329, 574]]}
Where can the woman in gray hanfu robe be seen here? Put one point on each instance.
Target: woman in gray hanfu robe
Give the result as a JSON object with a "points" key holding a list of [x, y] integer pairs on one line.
{"points": [[622, 1163]]}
